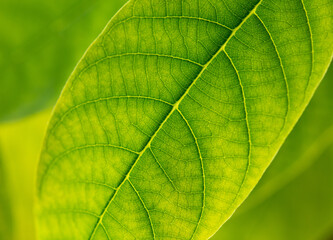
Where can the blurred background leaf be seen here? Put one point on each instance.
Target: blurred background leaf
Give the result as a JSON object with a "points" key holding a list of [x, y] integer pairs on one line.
{"points": [[6, 224], [40, 43], [20, 143]]}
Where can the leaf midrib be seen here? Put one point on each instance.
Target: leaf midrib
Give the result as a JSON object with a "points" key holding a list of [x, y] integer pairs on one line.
{"points": [[176, 108]]}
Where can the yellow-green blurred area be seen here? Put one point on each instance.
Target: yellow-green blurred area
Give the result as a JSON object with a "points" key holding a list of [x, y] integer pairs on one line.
{"points": [[40, 43]]}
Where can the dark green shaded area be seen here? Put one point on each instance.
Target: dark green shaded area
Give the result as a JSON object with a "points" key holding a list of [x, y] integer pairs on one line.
{"points": [[40, 42]]}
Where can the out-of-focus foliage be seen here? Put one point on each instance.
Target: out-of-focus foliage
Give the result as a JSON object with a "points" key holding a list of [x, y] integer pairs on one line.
{"points": [[5, 204], [20, 144], [40, 43], [294, 198]]}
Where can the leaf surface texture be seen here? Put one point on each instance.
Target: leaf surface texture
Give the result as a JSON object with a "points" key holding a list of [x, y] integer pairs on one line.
{"points": [[295, 188], [174, 113]]}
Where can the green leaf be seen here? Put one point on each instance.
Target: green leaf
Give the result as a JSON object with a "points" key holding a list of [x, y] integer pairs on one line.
{"points": [[174, 113], [40, 41], [293, 201]]}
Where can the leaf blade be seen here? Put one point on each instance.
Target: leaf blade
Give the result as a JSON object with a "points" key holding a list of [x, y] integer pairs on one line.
{"points": [[128, 51]]}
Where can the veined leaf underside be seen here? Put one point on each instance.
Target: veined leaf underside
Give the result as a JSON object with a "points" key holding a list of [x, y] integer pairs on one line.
{"points": [[172, 116]]}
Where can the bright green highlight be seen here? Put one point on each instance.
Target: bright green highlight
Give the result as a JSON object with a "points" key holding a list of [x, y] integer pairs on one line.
{"points": [[174, 113], [20, 144]]}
